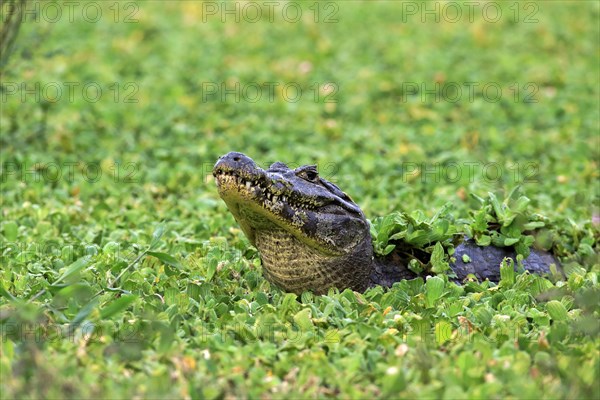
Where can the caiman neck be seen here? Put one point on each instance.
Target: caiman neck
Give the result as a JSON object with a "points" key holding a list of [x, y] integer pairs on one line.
{"points": [[291, 265]]}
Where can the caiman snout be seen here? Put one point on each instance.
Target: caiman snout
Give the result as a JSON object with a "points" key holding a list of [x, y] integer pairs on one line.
{"points": [[234, 161]]}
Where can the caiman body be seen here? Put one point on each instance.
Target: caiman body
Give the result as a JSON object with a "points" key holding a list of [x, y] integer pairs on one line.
{"points": [[312, 236]]}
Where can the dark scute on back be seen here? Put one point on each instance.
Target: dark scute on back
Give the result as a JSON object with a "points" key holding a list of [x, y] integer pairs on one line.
{"points": [[484, 262]]}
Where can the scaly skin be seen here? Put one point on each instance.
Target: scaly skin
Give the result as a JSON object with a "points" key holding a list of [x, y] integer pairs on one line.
{"points": [[312, 236]]}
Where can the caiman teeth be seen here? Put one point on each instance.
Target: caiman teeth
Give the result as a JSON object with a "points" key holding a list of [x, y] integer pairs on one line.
{"points": [[271, 199]]}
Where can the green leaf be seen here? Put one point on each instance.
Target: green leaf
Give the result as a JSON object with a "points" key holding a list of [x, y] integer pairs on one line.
{"points": [[10, 230], [443, 332], [530, 226], [289, 301], [211, 267], [398, 236], [83, 313], [498, 209], [442, 212], [507, 271], [73, 269], [511, 231], [513, 192], [479, 224], [388, 249], [7, 350], [557, 310], [522, 248], [303, 320], [478, 199], [171, 296], [307, 297], [509, 217], [415, 266], [419, 238], [510, 241], [157, 235], [521, 205], [166, 258], [441, 226], [434, 289], [117, 306], [438, 263], [497, 239], [483, 240], [5, 293], [194, 291]]}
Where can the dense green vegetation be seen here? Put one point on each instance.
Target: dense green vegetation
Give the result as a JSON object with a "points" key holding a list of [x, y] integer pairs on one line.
{"points": [[123, 274]]}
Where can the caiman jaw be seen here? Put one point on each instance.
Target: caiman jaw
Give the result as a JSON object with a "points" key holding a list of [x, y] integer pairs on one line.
{"points": [[304, 227]]}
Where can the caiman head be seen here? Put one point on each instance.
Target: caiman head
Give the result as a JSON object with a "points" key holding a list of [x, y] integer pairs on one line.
{"points": [[310, 234]]}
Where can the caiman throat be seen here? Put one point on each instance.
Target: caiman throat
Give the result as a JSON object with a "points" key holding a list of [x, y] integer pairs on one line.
{"points": [[311, 235]]}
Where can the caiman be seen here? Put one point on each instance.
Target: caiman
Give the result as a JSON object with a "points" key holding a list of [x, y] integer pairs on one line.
{"points": [[311, 236]]}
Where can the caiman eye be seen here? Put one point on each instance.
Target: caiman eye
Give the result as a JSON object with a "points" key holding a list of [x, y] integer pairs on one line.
{"points": [[309, 173], [311, 176]]}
